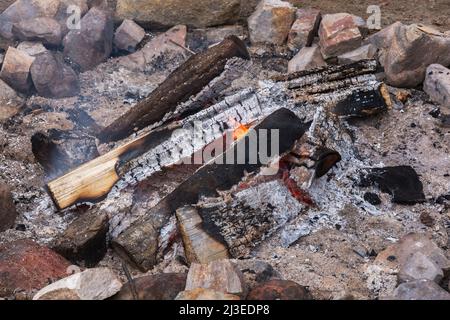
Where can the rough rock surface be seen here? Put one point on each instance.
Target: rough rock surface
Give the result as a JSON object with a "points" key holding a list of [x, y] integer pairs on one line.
{"points": [[279, 290], [205, 294], [16, 70], [53, 78], [271, 22], [418, 267], [128, 35], [92, 43], [91, 284], [165, 286], [31, 48], [10, 102], [27, 266], [8, 211], [408, 50], [339, 33], [219, 275], [304, 29], [420, 290], [200, 13], [43, 29], [306, 58], [367, 51], [437, 84]]}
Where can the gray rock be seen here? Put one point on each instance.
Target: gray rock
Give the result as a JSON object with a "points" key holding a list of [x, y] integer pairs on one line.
{"points": [[16, 70], [306, 58], [417, 267], [201, 39], [43, 29], [271, 22], [407, 51], [128, 36], [92, 44], [219, 275], [437, 84], [420, 290], [31, 48], [53, 78], [8, 213], [304, 28], [2, 57], [339, 33], [92, 284], [367, 51]]}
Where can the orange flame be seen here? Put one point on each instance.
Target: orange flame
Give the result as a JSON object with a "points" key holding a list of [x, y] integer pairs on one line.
{"points": [[240, 131]]}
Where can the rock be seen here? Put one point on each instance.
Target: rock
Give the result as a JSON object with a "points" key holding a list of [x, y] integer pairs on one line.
{"points": [[367, 51], [27, 266], [407, 51], [304, 28], [397, 254], [201, 39], [43, 29], [420, 290], [85, 239], [92, 44], [168, 13], [16, 70], [256, 271], [279, 290], [199, 246], [160, 45], [205, 294], [91, 284], [10, 102], [128, 36], [31, 48], [339, 33], [165, 286], [419, 266], [52, 78], [219, 275], [8, 213], [306, 58], [271, 22], [66, 14], [437, 84], [2, 57], [402, 183], [23, 10]]}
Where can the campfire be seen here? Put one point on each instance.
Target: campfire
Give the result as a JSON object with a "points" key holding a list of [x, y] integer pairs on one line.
{"points": [[184, 156]]}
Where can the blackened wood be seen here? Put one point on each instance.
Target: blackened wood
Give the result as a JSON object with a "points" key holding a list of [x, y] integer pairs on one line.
{"points": [[189, 79], [137, 243]]}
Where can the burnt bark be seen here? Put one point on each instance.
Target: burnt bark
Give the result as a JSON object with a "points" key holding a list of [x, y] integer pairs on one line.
{"points": [[189, 79]]}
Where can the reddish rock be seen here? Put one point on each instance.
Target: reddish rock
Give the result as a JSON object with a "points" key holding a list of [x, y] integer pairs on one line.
{"points": [[43, 29], [205, 294], [365, 52], [8, 213], [304, 28], [306, 58], [279, 290], [27, 266], [165, 286], [92, 43], [16, 70], [128, 36], [339, 33]]}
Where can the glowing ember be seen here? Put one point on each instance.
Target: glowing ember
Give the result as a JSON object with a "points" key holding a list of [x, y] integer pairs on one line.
{"points": [[240, 131]]}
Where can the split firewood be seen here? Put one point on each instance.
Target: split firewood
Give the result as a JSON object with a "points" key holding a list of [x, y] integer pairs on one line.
{"points": [[189, 79], [134, 244]]}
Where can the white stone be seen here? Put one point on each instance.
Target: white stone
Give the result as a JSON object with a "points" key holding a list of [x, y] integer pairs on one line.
{"points": [[437, 84], [306, 58]]}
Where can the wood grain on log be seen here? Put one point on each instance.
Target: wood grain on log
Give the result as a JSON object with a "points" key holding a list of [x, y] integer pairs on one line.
{"points": [[189, 79]]}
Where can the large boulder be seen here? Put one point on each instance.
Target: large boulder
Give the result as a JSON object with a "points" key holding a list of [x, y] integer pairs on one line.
{"points": [[92, 43], [339, 33], [52, 78], [43, 29], [194, 13], [407, 50], [271, 22], [16, 70]]}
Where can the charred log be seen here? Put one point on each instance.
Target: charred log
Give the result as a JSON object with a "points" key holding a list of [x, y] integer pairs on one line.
{"points": [[189, 79]]}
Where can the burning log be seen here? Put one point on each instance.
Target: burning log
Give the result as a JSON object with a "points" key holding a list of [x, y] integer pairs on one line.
{"points": [[187, 80], [135, 243]]}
